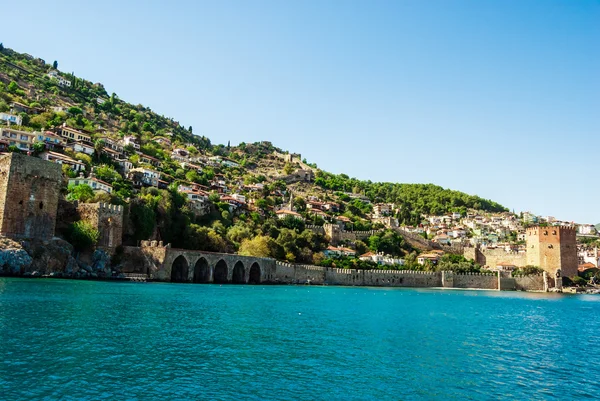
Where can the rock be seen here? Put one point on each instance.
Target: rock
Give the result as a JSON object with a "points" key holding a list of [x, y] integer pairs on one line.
{"points": [[94, 275], [13, 258], [101, 262]]}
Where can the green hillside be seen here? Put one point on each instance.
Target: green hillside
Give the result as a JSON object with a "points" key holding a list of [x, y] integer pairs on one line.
{"points": [[257, 172]]}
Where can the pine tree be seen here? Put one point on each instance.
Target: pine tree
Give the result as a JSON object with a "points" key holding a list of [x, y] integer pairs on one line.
{"points": [[1, 46], [55, 65]]}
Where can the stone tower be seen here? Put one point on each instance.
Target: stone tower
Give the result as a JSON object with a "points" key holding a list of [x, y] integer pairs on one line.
{"points": [[29, 193], [107, 219], [553, 248]]}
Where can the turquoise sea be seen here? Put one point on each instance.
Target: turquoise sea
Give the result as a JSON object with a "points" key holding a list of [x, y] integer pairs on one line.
{"points": [[74, 340]]}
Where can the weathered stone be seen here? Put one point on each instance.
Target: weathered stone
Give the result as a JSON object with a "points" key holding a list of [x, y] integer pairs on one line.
{"points": [[29, 192]]}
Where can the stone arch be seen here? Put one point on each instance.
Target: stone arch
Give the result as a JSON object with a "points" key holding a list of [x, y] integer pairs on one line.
{"points": [[239, 273], [220, 273], [179, 270], [201, 271], [254, 276]]}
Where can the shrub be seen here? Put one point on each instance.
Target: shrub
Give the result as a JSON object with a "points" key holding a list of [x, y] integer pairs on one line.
{"points": [[83, 235]]}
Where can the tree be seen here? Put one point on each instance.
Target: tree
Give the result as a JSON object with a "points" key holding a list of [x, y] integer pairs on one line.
{"points": [[12, 87], [1, 47], [107, 173], [81, 192], [83, 235], [38, 147], [55, 65], [258, 246], [288, 168]]}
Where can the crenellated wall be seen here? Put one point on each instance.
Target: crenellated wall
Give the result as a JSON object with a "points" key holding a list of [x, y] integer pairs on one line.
{"points": [[487, 281]]}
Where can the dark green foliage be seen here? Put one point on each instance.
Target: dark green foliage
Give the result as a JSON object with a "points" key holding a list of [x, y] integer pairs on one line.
{"points": [[390, 243], [83, 236]]}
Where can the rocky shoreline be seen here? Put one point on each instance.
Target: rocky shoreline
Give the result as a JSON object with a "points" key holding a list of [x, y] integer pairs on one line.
{"points": [[53, 258]]}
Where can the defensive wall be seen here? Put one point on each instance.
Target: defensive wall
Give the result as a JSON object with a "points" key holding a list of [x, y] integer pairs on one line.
{"points": [[493, 256], [287, 273], [107, 219]]}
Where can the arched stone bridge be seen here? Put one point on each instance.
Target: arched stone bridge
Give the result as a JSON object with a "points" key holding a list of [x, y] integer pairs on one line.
{"points": [[189, 266]]}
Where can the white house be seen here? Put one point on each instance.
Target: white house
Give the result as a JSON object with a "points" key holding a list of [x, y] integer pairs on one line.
{"points": [[381, 259], [432, 257], [95, 183], [282, 214], [59, 158], [131, 140], [338, 251], [80, 147], [61, 81], [11, 118]]}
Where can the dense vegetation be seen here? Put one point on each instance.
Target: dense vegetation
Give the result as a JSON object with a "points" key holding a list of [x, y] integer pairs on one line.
{"points": [[165, 214]]}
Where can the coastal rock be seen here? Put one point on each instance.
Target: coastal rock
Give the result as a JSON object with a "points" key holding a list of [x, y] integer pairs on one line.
{"points": [[48, 256], [13, 258], [101, 263]]}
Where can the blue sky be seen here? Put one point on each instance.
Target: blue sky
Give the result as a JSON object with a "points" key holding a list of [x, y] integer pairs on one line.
{"points": [[495, 98]]}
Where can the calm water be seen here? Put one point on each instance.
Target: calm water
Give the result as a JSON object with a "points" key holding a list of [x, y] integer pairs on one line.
{"points": [[98, 340]]}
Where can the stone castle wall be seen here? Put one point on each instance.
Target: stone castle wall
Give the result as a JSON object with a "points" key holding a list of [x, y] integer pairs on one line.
{"points": [[29, 193], [493, 256], [529, 283], [107, 219], [487, 281]]}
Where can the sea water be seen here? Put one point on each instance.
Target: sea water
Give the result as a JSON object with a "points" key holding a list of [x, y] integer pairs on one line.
{"points": [[74, 340]]}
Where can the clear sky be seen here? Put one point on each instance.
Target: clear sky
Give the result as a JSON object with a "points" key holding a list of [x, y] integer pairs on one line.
{"points": [[495, 98]]}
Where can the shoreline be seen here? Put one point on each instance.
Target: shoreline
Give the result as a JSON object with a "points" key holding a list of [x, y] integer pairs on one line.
{"points": [[566, 290]]}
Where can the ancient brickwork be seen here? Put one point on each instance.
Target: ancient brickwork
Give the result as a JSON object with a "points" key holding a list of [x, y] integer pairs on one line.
{"points": [[107, 219], [29, 193], [530, 283], [488, 281], [552, 248], [337, 234], [493, 256]]}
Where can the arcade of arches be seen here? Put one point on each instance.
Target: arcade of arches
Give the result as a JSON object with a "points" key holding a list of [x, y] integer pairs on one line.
{"points": [[202, 272]]}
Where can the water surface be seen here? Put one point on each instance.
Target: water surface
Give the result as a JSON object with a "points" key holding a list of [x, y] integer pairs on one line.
{"points": [[64, 339]]}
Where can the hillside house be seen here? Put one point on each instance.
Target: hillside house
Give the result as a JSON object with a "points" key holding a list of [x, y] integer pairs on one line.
{"points": [[21, 139], [282, 214], [81, 147], [11, 118], [431, 257], [63, 82], [72, 134], [59, 158], [132, 141], [51, 140], [337, 252], [95, 183], [381, 259], [142, 176]]}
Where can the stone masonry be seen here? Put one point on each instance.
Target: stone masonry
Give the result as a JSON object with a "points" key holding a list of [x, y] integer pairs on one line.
{"points": [[552, 248], [29, 193], [107, 219]]}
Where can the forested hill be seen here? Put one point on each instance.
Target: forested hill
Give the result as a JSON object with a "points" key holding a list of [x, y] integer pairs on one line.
{"points": [[262, 177]]}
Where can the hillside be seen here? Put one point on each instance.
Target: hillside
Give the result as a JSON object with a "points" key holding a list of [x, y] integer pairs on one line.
{"points": [[203, 196]]}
